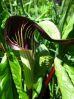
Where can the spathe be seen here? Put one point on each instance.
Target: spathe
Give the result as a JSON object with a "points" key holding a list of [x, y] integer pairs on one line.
{"points": [[19, 33]]}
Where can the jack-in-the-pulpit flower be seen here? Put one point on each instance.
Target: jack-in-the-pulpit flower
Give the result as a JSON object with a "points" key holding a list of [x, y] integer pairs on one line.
{"points": [[19, 34]]}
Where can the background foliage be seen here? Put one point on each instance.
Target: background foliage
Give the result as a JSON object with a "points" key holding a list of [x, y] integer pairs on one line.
{"points": [[12, 83]]}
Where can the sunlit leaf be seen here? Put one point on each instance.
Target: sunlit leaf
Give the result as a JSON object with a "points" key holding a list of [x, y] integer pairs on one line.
{"points": [[51, 29], [5, 79], [68, 28], [70, 71], [16, 74], [64, 80]]}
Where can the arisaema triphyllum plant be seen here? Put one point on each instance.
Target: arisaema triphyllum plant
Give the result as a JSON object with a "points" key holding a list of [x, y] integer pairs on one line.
{"points": [[36, 61]]}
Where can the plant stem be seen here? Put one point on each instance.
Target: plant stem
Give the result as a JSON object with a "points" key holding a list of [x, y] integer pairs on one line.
{"points": [[30, 93]]}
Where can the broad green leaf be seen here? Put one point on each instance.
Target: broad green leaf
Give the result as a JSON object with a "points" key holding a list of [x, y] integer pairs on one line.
{"points": [[50, 28], [28, 64], [64, 80], [68, 28], [70, 71], [16, 73], [5, 79]]}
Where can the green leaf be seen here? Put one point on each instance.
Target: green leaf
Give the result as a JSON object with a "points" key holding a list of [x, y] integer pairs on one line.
{"points": [[3, 64], [16, 74], [64, 13], [4, 85], [28, 64], [37, 88], [5, 79], [64, 80], [16, 71], [42, 50], [50, 28], [68, 28], [23, 95], [70, 71]]}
